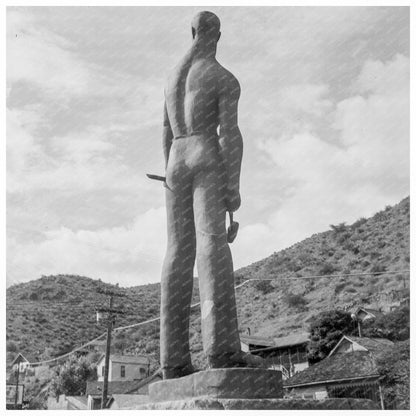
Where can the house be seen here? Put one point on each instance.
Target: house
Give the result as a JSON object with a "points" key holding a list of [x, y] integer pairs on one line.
{"points": [[21, 363], [117, 391], [348, 343], [364, 314], [287, 354], [348, 371], [124, 367]]}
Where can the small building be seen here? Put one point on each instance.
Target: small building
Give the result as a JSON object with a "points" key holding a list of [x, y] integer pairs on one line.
{"points": [[21, 363], [119, 389], [340, 375], [365, 314], [64, 402], [124, 367], [287, 354], [349, 343], [348, 371]]}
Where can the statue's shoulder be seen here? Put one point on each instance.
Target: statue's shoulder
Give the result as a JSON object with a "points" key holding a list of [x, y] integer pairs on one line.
{"points": [[228, 81]]}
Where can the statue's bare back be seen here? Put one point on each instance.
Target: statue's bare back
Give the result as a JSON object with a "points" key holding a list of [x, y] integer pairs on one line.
{"points": [[192, 95]]}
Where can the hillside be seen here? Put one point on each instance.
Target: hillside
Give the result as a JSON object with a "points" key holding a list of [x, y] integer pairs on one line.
{"points": [[54, 314]]}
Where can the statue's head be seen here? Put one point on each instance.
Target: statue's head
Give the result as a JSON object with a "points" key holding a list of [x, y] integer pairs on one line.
{"points": [[206, 25]]}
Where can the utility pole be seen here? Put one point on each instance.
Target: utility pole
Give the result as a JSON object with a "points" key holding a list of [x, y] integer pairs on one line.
{"points": [[17, 385], [110, 321]]}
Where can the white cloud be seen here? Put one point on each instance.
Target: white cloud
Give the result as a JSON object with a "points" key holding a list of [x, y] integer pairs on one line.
{"points": [[81, 163], [390, 77], [366, 169], [37, 55], [132, 255], [306, 98]]}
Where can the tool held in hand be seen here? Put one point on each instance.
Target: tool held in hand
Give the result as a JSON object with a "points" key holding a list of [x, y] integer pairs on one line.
{"points": [[232, 230], [156, 177]]}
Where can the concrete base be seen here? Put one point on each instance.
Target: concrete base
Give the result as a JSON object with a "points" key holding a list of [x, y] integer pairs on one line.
{"points": [[262, 404], [221, 383]]}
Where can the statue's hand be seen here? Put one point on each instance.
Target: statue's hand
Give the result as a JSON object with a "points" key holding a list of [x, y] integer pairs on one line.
{"points": [[232, 200]]}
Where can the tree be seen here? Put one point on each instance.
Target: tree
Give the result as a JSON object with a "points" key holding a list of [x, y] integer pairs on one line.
{"points": [[394, 369], [326, 330], [71, 378], [394, 326]]}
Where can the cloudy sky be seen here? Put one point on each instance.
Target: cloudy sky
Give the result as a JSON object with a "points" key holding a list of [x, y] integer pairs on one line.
{"points": [[324, 114]]}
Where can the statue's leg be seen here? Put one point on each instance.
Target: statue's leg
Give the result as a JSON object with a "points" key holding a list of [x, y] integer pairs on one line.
{"points": [[215, 271], [177, 282]]}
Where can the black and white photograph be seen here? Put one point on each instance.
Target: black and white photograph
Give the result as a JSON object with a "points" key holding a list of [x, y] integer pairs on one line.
{"points": [[207, 207]]}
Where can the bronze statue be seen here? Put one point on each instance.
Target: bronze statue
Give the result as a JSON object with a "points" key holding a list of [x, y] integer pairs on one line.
{"points": [[203, 149]]}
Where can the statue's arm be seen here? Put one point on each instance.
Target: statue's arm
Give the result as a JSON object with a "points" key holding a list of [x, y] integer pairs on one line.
{"points": [[231, 142], [167, 135]]}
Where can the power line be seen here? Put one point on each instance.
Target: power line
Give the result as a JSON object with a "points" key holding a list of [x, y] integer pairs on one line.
{"points": [[38, 363], [336, 275]]}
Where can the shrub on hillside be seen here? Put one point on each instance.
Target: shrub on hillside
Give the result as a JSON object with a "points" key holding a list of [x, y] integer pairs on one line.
{"points": [[296, 301], [378, 268], [358, 223], [339, 286], [264, 286], [11, 346], [340, 228], [327, 268]]}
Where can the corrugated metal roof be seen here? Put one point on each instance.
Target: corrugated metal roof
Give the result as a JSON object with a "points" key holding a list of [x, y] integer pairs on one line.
{"points": [[289, 340], [281, 342], [255, 340]]}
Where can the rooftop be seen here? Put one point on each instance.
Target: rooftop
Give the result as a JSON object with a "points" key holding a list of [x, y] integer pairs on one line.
{"points": [[281, 342], [255, 340], [128, 359], [354, 365], [373, 345], [374, 312], [293, 339]]}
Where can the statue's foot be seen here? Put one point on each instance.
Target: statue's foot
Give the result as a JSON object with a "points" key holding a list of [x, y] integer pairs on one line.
{"points": [[176, 372], [238, 359]]}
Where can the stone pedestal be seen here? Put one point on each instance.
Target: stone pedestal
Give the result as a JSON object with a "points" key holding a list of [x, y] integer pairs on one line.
{"points": [[262, 404], [237, 389], [226, 383]]}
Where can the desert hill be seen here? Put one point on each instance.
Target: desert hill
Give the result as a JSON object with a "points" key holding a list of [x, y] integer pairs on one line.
{"points": [[54, 314]]}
